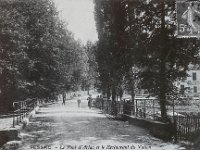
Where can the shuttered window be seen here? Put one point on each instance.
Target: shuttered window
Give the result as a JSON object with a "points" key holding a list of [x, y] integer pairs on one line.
{"points": [[194, 76]]}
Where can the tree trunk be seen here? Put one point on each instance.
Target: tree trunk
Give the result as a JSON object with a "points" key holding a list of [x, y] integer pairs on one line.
{"points": [[113, 94], [162, 94], [133, 95], [121, 93], [132, 90], [162, 100], [132, 78], [163, 87], [163, 107], [88, 90], [133, 99], [108, 93]]}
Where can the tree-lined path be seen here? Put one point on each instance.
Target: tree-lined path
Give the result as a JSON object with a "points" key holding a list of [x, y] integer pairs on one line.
{"points": [[59, 127]]}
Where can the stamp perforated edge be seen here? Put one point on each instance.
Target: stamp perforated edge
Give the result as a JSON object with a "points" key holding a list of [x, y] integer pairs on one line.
{"points": [[176, 32]]}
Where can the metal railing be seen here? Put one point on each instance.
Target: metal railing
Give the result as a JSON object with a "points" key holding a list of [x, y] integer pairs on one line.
{"points": [[185, 124], [22, 109], [120, 108]]}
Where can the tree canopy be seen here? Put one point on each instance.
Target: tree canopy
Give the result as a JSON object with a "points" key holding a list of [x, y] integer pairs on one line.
{"points": [[39, 55], [140, 35]]}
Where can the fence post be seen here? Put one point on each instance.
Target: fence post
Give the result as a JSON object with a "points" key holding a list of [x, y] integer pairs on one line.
{"points": [[17, 117], [124, 108], [20, 112], [13, 120], [136, 107], [14, 115], [23, 110], [153, 109], [132, 108], [176, 130]]}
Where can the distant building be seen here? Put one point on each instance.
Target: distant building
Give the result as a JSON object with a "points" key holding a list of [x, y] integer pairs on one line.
{"points": [[190, 86]]}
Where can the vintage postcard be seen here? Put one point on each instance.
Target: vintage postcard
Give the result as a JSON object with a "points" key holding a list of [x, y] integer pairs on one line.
{"points": [[99, 75]]}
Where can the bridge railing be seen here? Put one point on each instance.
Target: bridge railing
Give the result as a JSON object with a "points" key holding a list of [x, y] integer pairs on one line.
{"points": [[142, 107], [185, 124], [22, 109]]}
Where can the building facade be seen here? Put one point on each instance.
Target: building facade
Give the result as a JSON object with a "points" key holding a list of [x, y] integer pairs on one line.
{"points": [[190, 86]]}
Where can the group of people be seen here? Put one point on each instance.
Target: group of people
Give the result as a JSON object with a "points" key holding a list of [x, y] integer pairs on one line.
{"points": [[89, 101], [78, 100], [100, 101]]}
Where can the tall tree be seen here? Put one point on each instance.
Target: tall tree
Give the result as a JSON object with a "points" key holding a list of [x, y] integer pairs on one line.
{"points": [[165, 58], [111, 24], [91, 68], [37, 52], [13, 39], [140, 35]]}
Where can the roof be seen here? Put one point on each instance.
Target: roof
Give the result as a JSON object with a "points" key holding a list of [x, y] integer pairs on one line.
{"points": [[194, 67]]}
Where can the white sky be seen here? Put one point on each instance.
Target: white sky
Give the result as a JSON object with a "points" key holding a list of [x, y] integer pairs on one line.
{"points": [[80, 18]]}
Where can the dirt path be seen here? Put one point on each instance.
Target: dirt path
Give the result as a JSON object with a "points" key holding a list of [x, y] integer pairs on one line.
{"points": [[69, 127]]}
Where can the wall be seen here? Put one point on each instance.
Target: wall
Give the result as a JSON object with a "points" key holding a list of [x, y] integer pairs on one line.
{"points": [[164, 131]]}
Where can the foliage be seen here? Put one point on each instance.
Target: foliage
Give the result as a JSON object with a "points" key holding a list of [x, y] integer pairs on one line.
{"points": [[90, 77], [111, 23], [137, 41], [38, 54], [165, 58]]}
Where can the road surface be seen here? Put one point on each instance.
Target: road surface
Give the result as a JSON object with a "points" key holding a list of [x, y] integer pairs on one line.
{"points": [[58, 126]]}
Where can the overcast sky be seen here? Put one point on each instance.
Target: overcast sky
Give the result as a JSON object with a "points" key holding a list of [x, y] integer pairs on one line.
{"points": [[80, 18]]}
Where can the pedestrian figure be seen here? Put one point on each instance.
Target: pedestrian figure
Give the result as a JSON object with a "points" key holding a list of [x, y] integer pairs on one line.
{"points": [[97, 104], [74, 95], [79, 102], [89, 101], [64, 98]]}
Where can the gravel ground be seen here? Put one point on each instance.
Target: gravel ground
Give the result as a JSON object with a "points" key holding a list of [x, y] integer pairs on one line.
{"points": [[68, 127]]}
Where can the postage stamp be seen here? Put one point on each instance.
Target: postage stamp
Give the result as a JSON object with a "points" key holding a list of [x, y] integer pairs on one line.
{"points": [[188, 18]]}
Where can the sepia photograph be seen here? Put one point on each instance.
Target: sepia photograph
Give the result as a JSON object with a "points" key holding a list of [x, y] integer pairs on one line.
{"points": [[99, 74]]}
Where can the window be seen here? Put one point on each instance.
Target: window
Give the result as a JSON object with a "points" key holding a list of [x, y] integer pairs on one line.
{"points": [[182, 87], [194, 76], [195, 89]]}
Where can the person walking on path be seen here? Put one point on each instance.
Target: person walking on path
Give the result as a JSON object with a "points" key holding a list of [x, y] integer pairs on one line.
{"points": [[89, 101], [101, 101], [64, 98], [79, 102]]}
